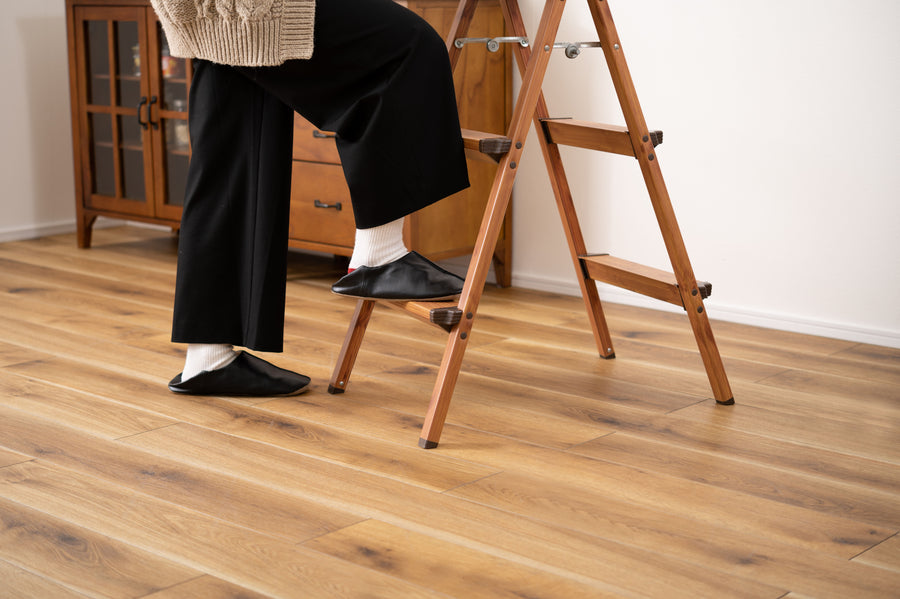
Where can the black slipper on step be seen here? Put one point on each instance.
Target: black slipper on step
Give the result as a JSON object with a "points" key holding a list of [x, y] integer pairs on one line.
{"points": [[409, 278]]}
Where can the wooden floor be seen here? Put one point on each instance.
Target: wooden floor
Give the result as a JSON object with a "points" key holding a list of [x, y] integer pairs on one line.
{"points": [[558, 475]]}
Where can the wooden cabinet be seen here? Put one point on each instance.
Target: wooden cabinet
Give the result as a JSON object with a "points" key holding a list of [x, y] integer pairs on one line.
{"points": [[129, 123], [129, 115]]}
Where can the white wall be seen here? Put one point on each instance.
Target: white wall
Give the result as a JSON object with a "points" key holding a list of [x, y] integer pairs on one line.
{"points": [[38, 196], [780, 119]]}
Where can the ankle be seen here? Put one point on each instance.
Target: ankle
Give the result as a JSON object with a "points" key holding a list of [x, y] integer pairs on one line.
{"points": [[203, 357], [379, 245]]}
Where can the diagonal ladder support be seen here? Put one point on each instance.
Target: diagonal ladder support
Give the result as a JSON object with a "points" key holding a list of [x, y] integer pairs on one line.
{"points": [[679, 288], [529, 95], [659, 197]]}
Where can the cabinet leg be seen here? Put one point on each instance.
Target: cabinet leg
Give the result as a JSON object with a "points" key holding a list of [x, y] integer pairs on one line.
{"points": [[502, 270], [85, 225]]}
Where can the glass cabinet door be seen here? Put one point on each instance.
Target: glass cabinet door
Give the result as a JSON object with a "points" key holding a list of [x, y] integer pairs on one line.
{"points": [[116, 106], [172, 143]]}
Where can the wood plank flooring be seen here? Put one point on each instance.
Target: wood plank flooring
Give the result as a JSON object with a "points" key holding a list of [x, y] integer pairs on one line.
{"points": [[559, 474]]}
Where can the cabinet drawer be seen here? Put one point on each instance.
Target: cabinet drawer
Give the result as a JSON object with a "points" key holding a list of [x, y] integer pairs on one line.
{"points": [[316, 192], [312, 144]]}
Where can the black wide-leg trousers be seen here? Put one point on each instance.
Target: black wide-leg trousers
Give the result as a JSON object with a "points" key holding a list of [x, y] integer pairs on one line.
{"points": [[379, 78]]}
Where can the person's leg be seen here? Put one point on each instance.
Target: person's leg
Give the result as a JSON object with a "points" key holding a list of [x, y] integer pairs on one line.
{"points": [[233, 241], [380, 78], [230, 283]]}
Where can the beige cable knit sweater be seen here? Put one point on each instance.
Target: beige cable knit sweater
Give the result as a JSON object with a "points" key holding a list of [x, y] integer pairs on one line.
{"points": [[238, 32]]}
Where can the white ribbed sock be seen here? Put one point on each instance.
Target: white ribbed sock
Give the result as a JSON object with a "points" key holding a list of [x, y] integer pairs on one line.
{"points": [[379, 245], [206, 356]]}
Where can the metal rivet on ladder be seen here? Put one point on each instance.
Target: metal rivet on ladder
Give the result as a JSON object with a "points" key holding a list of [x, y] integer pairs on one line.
{"points": [[694, 292], [518, 145], [616, 46], [546, 48], [512, 165], [645, 139], [700, 310], [651, 157], [463, 335], [469, 315]]}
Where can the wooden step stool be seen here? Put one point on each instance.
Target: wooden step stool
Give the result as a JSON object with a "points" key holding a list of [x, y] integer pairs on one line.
{"points": [[679, 287]]}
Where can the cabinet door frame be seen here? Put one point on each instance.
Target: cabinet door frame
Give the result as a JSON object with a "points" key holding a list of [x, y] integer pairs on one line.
{"points": [[116, 203], [163, 209]]}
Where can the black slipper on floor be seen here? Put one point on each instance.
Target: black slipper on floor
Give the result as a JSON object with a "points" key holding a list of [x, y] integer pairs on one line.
{"points": [[245, 376]]}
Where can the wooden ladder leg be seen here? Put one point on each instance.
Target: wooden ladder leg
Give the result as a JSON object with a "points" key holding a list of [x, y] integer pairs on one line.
{"points": [[577, 248], [491, 224], [659, 196], [357, 329], [350, 349], [560, 184]]}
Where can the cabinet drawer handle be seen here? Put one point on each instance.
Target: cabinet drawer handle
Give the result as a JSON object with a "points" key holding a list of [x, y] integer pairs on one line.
{"points": [[337, 206], [319, 135]]}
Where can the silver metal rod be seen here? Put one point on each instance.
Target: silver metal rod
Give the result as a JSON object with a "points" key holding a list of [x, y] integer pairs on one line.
{"points": [[573, 49], [493, 43]]}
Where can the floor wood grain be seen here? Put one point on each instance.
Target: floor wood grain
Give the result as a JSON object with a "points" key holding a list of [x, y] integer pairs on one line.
{"points": [[559, 474]]}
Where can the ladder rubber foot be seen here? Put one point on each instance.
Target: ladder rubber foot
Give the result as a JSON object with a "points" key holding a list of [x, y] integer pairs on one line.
{"points": [[727, 402], [335, 390], [426, 444], [609, 357]]}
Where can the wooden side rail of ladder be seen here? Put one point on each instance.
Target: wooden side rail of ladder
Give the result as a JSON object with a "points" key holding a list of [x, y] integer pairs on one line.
{"points": [[679, 287]]}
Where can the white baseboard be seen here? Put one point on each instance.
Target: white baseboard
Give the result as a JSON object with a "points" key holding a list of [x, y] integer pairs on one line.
{"points": [[35, 231], [736, 314], [56, 228]]}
